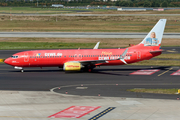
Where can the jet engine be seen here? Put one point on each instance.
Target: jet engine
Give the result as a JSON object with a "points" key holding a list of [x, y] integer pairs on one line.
{"points": [[72, 66]]}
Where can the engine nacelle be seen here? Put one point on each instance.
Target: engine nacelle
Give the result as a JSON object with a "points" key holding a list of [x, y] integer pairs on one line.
{"points": [[72, 66]]}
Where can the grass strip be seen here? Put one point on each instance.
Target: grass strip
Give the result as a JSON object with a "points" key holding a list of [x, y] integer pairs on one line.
{"points": [[43, 45], [158, 91], [95, 11], [169, 56], [86, 23], [158, 63]]}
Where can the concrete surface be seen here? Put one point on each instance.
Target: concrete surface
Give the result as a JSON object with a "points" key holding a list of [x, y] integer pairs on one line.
{"points": [[82, 34], [38, 105]]}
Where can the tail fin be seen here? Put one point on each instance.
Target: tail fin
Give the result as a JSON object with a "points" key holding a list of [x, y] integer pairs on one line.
{"points": [[154, 37]]}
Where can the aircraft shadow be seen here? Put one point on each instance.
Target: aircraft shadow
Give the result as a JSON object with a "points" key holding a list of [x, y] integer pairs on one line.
{"points": [[124, 72], [119, 72]]}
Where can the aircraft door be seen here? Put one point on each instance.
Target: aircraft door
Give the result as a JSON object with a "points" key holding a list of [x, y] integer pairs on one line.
{"points": [[36, 58], [138, 55], [26, 57]]}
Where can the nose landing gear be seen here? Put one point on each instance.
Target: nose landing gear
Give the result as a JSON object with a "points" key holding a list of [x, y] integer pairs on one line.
{"points": [[19, 68]]}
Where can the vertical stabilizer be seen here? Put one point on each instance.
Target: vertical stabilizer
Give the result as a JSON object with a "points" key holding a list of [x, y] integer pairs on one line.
{"points": [[154, 37]]}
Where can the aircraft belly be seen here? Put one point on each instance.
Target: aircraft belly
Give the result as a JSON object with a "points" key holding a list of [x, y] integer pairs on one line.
{"points": [[116, 62]]}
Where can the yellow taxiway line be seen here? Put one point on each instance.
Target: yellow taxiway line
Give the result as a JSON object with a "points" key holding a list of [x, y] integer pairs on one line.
{"points": [[165, 71]]}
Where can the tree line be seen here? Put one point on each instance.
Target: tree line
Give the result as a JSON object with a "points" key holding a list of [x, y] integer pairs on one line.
{"points": [[119, 3], [148, 3]]}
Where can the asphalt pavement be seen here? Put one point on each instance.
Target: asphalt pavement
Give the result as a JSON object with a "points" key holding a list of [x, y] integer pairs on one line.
{"points": [[39, 93], [82, 34], [109, 81]]}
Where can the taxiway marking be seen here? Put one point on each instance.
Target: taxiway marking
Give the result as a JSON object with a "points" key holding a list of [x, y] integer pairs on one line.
{"points": [[176, 73], [102, 113], [165, 71]]}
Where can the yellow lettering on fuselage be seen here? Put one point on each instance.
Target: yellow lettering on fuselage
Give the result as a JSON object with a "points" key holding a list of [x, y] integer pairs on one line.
{"points": [[106, 53]]}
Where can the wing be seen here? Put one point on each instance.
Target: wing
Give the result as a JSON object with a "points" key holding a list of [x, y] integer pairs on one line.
{"points": [[96, 62]]}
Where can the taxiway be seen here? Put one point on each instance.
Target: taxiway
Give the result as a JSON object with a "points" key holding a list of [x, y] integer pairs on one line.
{"points": [[82, 34]]}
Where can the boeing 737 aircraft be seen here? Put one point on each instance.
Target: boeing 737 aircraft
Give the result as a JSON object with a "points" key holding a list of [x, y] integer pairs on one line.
{"points": [[78, 59]]}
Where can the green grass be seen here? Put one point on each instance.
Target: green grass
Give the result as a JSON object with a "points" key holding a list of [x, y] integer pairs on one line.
{"points": [[81, 24], [33, 10], [74, 24], [46, 10], [17, 9], [43, 45], [158, 63], [159, 91], [169, 56]]}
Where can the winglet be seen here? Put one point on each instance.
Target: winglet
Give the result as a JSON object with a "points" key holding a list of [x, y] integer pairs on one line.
{"points": [[96, 46], [123, 56]]}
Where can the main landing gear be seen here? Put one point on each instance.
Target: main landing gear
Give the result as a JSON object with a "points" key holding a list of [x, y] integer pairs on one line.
{"points": [[88, 68]]}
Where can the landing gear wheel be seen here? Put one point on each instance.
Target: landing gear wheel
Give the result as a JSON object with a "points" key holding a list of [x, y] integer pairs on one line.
{"points": [[22, 70], [89, 70]]}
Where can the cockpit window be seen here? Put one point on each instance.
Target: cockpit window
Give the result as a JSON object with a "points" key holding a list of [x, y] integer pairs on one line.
{"points": [[14, 56]]}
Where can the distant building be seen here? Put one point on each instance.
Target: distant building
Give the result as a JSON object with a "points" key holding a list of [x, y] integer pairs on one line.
{"points": [[57, 5]]}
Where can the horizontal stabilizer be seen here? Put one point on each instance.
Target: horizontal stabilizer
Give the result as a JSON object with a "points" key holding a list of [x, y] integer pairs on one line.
{"points": [[156, 51]]}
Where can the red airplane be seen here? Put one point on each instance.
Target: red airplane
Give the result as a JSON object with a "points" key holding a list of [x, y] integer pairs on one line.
{"points": [[78, 59]]}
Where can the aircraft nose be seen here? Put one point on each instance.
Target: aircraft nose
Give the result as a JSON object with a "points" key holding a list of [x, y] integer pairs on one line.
{"points": [[7, 61]]}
